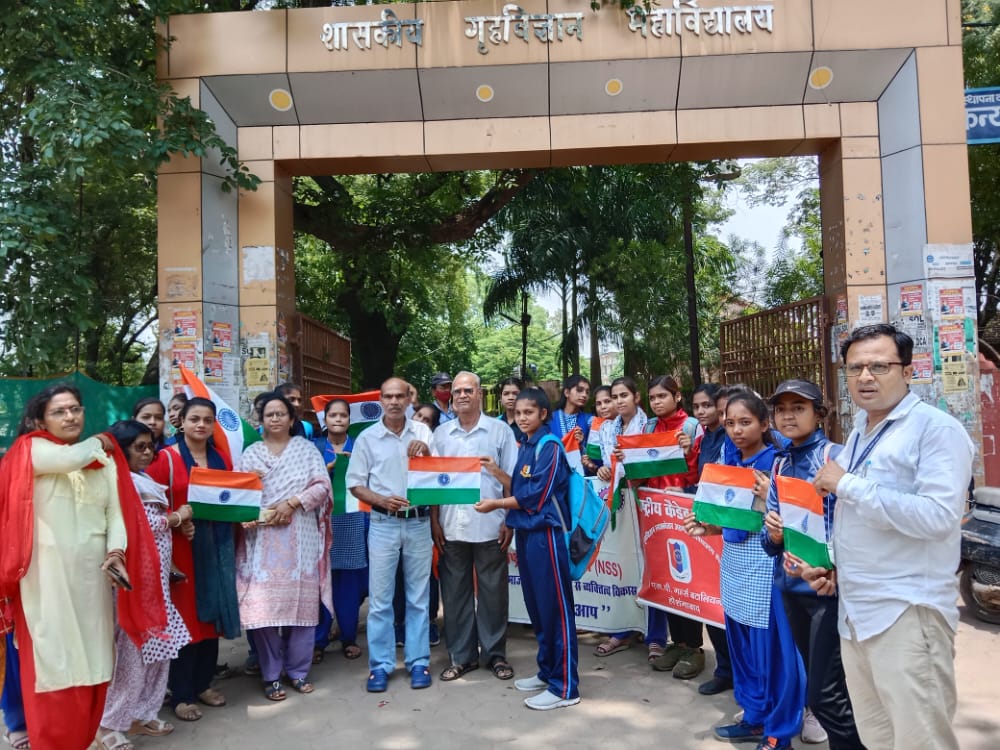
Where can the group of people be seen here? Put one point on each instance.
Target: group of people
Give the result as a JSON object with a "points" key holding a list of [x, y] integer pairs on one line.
{"points": [[98, 536]]}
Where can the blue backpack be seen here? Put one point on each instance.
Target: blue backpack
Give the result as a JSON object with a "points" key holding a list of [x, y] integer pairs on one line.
{"points": [[589, 516]]}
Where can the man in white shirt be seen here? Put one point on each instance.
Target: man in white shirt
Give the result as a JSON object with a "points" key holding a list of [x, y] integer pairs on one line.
{"points": [[901, 484], [377, 475], [472, 542]]}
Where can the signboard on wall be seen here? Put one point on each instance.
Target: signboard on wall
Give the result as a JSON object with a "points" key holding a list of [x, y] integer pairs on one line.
{"points": [[982, 115]]}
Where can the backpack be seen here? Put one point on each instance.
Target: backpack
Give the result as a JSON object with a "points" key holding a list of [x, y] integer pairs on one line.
{"points": [[589, 517]]}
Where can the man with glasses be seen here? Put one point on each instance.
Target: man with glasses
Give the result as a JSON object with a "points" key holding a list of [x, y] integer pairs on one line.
{"points": [[472, 543], [377, 475], [900, 482]]}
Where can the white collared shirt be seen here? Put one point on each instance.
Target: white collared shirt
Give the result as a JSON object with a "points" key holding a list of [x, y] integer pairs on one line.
{"points": [[379, 461], [488, 437], [897, 524]]}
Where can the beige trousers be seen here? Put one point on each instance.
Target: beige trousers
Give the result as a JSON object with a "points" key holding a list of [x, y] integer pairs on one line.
{"points": [[902, 683]]}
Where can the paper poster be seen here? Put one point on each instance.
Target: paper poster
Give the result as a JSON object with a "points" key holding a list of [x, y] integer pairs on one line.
{"points": [[841, 314], [222, 337], [185, 325], [948, 261], [284, 365], [954, 374], [681, 572], [258, 372], [923, 367], [951, 338], [604, 597], [870, 309], [182, 354], [950, 303], [281, 328], [213, 367], [916, 327], [911, 299]]}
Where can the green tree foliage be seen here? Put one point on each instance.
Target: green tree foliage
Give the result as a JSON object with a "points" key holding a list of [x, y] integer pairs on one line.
{"points": [[981, 48], [79, 149], [395, 247]]}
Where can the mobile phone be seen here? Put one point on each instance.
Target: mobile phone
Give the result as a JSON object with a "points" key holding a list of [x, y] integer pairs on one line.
{"points": [[113, 572]]}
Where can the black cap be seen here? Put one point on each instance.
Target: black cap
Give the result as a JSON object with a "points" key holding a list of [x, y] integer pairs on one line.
{"points": [[802, 388], [440, 378]]}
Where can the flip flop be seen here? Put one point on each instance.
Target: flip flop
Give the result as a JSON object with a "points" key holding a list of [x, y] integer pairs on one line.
{"points": [[612, 646], [655, 652], [351, 650], [117, 740], [18, 743], [152, 728], [501, 669], [187, 712], [273, 691], [212, 697], [457, 670]]}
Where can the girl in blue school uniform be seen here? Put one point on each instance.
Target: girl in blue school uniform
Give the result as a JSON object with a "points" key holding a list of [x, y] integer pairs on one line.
{"points": [[569, 414], [541, 481], [768, 677]]}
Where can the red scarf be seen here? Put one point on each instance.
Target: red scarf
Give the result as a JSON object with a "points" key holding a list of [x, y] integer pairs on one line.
{"points": [[142, 613]]}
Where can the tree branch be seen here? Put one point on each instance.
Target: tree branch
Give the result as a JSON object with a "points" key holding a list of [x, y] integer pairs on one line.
{"points": [[464, 224]]}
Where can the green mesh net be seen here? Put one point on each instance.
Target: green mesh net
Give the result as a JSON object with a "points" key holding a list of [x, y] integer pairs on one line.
{"points": [[106, 404]]}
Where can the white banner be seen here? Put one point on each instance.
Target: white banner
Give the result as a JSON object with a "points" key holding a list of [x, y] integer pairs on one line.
{"points": [[605, 596]]}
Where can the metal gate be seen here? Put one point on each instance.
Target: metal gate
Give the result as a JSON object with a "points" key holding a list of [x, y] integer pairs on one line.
{"points": [[785, 342], [322, 358]]}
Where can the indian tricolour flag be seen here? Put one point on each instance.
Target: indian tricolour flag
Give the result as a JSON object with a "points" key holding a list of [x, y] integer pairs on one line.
{"points": [[231, 434], [216, 495], [594, 439], [801, 509], [655, 454], [725, 498], [366, 409], [573, 457], [441, 480]]}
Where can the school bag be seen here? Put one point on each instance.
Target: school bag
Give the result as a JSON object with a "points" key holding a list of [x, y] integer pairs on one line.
{"points": [[589, 516]]}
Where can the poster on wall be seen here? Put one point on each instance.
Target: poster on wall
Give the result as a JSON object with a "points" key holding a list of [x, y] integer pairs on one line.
{"points": [[182, 354], [923, 368], [951, 339], [681, 572], [185, 325], [871, 309], [948, 262], [222, 337], [213, 367], [604, 598], [911, 299]]}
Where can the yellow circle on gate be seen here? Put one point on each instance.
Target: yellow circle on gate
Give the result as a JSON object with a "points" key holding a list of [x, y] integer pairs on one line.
{"points": [[484, 93], [613, 87], [280, 99], [821, 77]]}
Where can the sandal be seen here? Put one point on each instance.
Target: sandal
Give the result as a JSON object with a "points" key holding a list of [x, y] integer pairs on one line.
{"points": [[273, 691], [212, 697], [500, 668], [117, 740], [17, 740], [187, 712], [351, 650], [457, 670], [153, 728], [318, 656], [656, 650], [301, 685], [612, 646]]}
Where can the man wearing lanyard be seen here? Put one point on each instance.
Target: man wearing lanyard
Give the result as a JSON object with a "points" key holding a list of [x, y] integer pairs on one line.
{"points": [[377, 476], [900, 483]]}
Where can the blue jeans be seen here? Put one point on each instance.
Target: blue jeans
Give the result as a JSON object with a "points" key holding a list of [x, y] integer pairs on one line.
{"points": [[390, 538]]}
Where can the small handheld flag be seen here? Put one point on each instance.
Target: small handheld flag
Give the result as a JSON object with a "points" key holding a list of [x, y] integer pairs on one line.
{"points": [[802, 517], [436, 480], [654, 454], [366, 409], [217, 495], [725, 498], [572, 446]]}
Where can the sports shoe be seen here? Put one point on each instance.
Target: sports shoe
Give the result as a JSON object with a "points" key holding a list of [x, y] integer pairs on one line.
{"points": [[546, 701], [378, 681], [435, 634], [690, 665], [812, 731], [772, 743], [530, 684], [669, 659], [716, 685], [741, 731]]}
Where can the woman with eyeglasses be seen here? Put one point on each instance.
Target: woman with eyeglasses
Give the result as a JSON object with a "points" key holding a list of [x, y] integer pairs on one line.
{"points": [[204, 588], [282, 561], [140, 679], [71, 529]]}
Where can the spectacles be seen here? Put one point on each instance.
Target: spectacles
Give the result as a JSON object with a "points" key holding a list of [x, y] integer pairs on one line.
{"points": [[142, 447], [463, 391], [71, 411], [854, 369]]}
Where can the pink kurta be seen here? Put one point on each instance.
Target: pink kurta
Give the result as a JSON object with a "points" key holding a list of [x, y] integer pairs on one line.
{"points": [[283, 572]]}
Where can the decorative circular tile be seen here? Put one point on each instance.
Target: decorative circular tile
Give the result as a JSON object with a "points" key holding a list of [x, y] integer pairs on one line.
{"points": [[280, 99], [820, 78], [484, 93], [613, 87]]}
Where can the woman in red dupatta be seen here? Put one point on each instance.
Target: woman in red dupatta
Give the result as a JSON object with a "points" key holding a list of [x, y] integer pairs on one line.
{"points": [[68, 514]]}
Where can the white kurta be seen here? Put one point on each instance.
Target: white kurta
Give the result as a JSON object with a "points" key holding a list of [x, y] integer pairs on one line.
{"points": [[67, 599]]}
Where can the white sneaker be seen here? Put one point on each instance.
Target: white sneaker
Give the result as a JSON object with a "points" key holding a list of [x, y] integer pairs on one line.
{"points": [[530, 684], [812, 731], [547, 701]]}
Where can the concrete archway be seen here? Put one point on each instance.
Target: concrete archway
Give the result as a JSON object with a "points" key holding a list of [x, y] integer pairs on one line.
{"points": [[875, 89]]}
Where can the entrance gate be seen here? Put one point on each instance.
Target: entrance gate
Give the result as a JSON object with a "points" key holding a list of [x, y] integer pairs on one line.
{"points": [[874, 89]]}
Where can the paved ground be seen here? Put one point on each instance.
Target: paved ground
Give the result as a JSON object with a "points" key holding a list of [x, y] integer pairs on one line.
{"points": [[625, 705]]}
